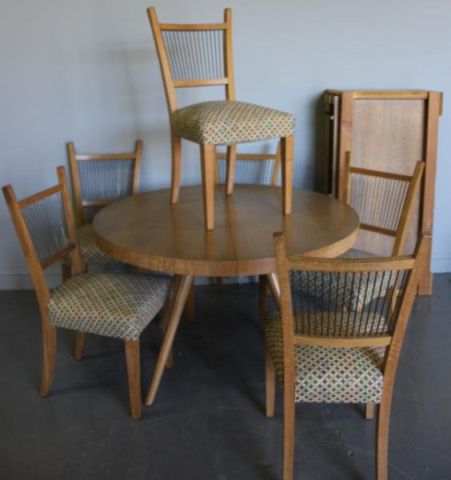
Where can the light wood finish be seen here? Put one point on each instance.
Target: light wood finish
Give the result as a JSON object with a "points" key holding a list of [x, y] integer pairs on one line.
{"points": [[176, 151], [188, 26], [74, 158], [208, 153], [397, 214], [182, 286], [390, 131], [145, 231], [434, 110], [25, 202], [36, 269], [133, 362], [398, 322], [286, 153], [270, 372], [231, 163], [200, 83], [172, 65]]}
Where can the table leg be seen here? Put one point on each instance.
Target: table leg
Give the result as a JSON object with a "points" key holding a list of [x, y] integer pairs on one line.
{"points": [[181, 290]]}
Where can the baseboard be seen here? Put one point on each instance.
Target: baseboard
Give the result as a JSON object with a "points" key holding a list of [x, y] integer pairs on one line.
{"points": [[441, 265], [21, 281]]}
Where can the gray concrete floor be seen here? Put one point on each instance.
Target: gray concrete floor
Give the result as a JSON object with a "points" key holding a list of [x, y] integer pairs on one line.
{"points": [[208, 422]]}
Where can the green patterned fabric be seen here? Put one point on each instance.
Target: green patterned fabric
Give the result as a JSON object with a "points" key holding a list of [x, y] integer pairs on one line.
{"points": [[332, 375], [91, 253], [229, 122], [112, 305], [354, 295], [355, 253]]}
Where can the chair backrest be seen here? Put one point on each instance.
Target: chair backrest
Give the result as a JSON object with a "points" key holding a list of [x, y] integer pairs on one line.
{"points": [[384, 201], [194, 55], [389, 285], [45, 227], [100, 179], [255, 168]]}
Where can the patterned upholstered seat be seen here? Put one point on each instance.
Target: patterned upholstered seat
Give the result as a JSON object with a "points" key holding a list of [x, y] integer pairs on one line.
{"points": [[332, 375], [228, 122], [113, 305], [91, 253], [355, 294]]}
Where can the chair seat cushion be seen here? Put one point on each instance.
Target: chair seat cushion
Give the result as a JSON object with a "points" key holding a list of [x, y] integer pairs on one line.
{"points": [[112, 305], [354, 295], [332, 375], [91, 253], [355, 253], [229, 122]]}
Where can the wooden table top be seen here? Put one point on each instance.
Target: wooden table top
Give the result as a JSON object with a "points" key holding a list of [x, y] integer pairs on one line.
{"points": [[146, 231]]}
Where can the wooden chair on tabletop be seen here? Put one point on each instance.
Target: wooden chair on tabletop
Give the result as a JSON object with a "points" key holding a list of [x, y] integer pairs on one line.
{"points": [[199, 55], [324, 352], [108, 304], [97, 181]]}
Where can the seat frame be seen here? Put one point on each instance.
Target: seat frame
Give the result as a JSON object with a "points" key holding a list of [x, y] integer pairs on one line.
{"points": [[208, 151]]}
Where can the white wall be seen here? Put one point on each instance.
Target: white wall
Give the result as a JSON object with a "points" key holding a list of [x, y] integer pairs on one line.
{"points": [[86, 71]]}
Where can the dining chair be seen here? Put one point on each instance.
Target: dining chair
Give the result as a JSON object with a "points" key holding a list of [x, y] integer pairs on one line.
{"points": [[107, 304], [97, 181], [384, 202], [322, 352], [200, 55]]}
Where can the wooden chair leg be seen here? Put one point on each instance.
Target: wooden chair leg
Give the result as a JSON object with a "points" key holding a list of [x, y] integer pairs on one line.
{"points": [[383, 426], [369, 411], [49, 358], [208, 158], [231, 165], [270, 373], [288, 428], [286, 150], [132, 358], [176, 146], [80, 341]]}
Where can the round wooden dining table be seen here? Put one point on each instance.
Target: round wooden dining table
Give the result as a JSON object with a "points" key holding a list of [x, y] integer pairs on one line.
{"points": [[146, 231]]}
